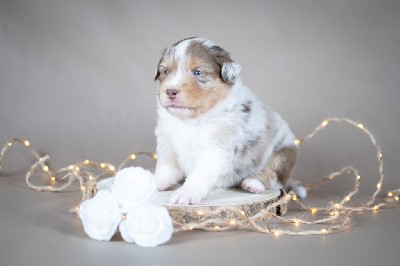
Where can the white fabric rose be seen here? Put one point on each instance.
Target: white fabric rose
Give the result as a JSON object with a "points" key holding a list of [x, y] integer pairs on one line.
{"points": [[100, 216], [132, 187], [148, 225], [130, 192], [105, 184]]}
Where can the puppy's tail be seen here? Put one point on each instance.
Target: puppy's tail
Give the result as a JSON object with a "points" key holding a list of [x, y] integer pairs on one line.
{"points": [[296, 187]]}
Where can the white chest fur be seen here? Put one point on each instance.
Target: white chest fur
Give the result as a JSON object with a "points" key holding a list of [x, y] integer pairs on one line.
{"points": [[186, 139], [187, 142]]}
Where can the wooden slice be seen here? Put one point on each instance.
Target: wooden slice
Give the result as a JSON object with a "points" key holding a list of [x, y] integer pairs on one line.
{"points": [[232, 204], [222, 204]]}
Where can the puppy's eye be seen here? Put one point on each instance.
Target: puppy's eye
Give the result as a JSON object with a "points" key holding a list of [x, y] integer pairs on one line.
{"points": [[196, 72], [165, 71]]}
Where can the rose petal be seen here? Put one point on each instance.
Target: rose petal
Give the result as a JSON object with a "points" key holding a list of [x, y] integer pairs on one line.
{"points": [[132, 187], [105, 184], [100, 216], [148, 226]]}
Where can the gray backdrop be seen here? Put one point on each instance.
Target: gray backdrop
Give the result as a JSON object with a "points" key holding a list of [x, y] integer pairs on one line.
{"points": [[76, 77]]}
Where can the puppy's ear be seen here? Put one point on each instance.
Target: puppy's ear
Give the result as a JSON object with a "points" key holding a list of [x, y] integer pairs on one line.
{"points": [[230, 70]]}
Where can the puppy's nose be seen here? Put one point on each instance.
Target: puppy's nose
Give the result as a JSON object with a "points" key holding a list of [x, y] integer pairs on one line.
{"points": [[172, 93]]}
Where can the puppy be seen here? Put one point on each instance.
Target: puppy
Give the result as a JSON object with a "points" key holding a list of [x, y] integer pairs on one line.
{"points": [[212, 130]]}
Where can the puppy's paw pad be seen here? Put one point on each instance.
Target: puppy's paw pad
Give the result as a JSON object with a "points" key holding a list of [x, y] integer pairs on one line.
{"points": [[253, 186], [186, 196]]}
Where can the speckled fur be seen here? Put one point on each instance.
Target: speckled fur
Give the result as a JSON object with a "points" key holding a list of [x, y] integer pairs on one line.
{"points": [[215, 132]]}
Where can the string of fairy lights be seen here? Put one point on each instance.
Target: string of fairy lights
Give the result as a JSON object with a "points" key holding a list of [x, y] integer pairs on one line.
{"points": [[336, 216], [86, 172]]}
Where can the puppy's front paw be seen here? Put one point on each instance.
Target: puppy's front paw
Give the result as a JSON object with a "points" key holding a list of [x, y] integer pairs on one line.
{"points": [[253, 185], [188, 195]]}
